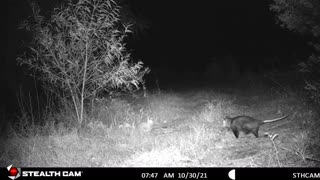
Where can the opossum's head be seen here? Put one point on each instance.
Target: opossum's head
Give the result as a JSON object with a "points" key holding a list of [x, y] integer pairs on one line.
{"points": [[226, 121]]}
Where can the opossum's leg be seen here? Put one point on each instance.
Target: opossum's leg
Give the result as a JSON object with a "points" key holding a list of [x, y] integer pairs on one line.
{"points": [[235, 132], [256, 132]]}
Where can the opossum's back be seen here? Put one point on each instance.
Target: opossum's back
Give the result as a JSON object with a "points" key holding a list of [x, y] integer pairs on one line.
{"points": [[245, 122]]}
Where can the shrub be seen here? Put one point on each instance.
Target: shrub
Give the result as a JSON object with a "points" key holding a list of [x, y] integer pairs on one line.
{"points": [[80, 50]]}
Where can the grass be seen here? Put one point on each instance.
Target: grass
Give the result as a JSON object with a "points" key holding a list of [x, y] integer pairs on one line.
{"points": [[187, 132]]}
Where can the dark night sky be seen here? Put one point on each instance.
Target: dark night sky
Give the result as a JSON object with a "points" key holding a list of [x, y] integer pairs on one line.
{"points": [[183, 30], [183, 34]]}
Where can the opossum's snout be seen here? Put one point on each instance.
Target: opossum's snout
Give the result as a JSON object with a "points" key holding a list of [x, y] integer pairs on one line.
{"points": [[225, 122]]}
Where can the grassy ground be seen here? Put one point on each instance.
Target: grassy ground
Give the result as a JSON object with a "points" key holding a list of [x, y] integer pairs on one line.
{"points": [[187, 132]]}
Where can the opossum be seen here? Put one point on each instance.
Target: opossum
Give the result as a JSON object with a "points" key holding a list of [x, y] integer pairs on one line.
{"points": [[247, 124]]}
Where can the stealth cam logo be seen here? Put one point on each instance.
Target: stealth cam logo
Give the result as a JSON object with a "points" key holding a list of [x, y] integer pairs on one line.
{"points": [[14, 172]]}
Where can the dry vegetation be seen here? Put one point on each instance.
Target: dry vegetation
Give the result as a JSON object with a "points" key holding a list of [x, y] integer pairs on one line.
{"points": [[186, 132]]}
